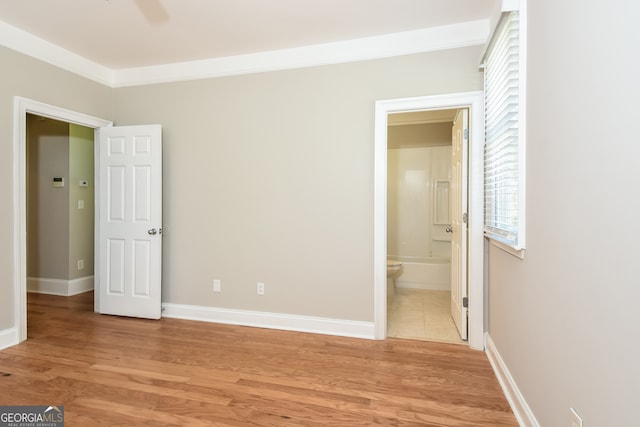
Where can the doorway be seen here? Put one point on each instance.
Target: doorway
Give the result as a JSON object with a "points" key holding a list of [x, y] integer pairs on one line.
{"points": [[420, 191], [22, 107], [475, 262], [60, 207]]}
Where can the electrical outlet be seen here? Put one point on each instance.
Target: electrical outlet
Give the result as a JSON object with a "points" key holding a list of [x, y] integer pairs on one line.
{"points": [[260, 289], [80, 264], [576, 421], [217, 285]]}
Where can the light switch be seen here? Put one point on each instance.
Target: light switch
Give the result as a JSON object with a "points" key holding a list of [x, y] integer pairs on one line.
{"points": [[80, 204]]}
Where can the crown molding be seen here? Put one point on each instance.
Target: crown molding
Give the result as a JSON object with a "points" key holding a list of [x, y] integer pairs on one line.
{"points": [[395, 44], [30, 45]]}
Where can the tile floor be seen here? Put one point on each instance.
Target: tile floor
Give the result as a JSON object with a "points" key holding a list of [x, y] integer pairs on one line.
{"points": [[422, 315]]}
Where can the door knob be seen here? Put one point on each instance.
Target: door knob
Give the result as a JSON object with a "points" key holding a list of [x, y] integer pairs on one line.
{"points": [[153, 232], [449, 230]]}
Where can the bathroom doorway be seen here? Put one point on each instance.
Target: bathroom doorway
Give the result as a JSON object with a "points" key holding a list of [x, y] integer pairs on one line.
{"points": [[475, 249], [419, 225]]}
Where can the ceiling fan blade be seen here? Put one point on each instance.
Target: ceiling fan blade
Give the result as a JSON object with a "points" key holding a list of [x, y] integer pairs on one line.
{"points": [[153, 11]]}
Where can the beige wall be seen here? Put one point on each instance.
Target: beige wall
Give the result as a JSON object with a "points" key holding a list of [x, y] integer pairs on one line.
{"points": [[269, 177], [419, 135], [59, 234], [27, 77], [47, 206], [80, 220], [566, 319]]}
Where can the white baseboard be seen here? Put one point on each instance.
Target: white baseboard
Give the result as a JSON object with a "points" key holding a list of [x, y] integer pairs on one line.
{"points": [[80, 285], [519, 406], [288, 322], [9, 338], [43, 285]]}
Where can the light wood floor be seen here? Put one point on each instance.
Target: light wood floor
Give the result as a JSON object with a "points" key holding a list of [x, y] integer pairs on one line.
{"points": [[115, 371]]}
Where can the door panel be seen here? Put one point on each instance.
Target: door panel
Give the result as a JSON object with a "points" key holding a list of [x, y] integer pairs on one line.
{"points": [[129, 221], [460, 141], [115, 262], [142, 259]]}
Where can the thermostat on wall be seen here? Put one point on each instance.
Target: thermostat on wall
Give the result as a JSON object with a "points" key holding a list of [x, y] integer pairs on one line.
{"points": [[58, 182]]}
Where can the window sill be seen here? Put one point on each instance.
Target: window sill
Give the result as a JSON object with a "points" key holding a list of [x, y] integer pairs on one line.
{"points": [[518, 253]]}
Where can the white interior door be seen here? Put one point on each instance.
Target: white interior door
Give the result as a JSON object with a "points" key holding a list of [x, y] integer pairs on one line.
{"points": [[460, 140], [129, 221]]}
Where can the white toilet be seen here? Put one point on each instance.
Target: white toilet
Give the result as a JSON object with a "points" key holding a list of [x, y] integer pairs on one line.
{"points": [[394, 268]]}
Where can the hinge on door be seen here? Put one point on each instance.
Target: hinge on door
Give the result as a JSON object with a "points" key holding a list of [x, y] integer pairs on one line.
{"points": [[465, 218], [465, 302], [466, 134]]}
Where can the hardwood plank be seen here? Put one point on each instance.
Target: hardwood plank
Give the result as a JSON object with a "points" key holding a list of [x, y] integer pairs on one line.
{"points": [[109, 370], [140, 414]]}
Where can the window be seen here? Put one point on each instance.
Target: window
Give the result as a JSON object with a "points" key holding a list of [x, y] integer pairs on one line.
{"points": [[504, 134]]}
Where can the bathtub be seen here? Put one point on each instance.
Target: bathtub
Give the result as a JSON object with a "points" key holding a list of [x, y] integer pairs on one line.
{"points": [[424, 273]]}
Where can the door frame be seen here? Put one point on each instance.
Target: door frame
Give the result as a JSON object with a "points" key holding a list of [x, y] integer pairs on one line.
{"points": [[474, 101], [22, 106]]}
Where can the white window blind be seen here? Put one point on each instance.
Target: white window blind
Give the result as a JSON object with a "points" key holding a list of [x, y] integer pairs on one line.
{"points": [[502, 155]]}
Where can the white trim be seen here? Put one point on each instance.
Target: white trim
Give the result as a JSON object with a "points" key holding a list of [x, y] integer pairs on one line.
{"points": [[518, 253], [287, 322], [494, 20], [511, 5], [43, 285], [81, 285], [22, 106], [28, 44], [473, 100], [518, 404], [9, 338], [403, 43], [522, 128]]}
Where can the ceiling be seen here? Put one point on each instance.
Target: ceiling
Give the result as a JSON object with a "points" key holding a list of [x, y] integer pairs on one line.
{"points": [[124, 34]]}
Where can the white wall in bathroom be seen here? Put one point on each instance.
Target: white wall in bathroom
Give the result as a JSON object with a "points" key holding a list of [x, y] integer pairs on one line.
{"points": [[411, 176]]}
